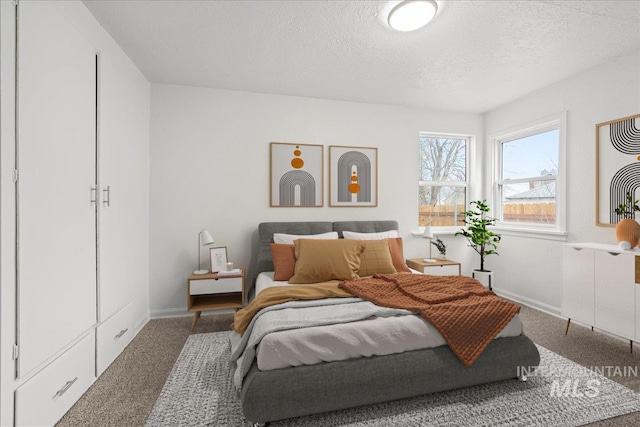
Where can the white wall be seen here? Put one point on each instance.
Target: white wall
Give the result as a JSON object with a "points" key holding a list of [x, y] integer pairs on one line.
{"points": [[530, 269], [210, 169]]}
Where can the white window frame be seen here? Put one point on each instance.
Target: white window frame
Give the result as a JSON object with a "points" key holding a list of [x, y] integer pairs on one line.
{"points": [[469, 174], [557, 231]]}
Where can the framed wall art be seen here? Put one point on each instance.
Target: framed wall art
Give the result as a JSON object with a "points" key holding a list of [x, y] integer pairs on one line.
{"points": [[296, 175], [218, 259], [353, 176], [617, 166]]}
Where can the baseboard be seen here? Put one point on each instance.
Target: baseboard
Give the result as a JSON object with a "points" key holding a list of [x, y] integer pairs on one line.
{"points": [[181, 312], [141, 323], [546, 308], [169, 312]]}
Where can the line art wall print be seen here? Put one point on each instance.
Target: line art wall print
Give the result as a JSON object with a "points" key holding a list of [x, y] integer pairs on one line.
{"points": [[296, 175], [617, 166], [353, 176]]}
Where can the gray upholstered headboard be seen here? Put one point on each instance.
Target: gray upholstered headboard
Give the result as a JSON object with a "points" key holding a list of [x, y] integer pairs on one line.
{"points": [[364, 226], [266, 230]]}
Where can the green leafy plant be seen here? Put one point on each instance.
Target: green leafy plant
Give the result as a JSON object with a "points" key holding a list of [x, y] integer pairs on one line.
{"points": [[628, 210], [439, 244], [483, 241]]}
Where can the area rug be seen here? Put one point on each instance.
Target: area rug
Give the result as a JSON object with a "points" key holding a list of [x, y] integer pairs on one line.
{"points": [[199, 392]]}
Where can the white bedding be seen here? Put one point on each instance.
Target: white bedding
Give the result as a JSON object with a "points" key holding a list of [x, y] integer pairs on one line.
{"points": [[371, 337]]}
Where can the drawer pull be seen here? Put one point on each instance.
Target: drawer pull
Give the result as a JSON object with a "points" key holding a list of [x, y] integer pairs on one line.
{"points": [[613, 253], [66, 387], [121, 333]]}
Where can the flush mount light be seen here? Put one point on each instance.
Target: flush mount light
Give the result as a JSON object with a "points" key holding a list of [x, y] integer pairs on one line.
{"points": [[410, 15]]}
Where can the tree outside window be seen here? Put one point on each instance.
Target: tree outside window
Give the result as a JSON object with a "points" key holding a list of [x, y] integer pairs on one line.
{"points": [[442, 190]]}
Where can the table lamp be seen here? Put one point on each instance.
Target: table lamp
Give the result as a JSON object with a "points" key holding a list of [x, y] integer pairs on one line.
{"points": [[204, 239], [428, 234]]}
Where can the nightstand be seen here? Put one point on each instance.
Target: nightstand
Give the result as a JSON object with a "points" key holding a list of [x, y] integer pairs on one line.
{"points": [[213, 292], [442, 267]]}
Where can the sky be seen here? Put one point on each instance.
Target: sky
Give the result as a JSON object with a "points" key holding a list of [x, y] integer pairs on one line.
{"points": [[528, 157]]}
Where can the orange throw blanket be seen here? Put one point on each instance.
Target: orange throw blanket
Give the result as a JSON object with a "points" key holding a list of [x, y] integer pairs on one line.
{"points": [[468, 315]]}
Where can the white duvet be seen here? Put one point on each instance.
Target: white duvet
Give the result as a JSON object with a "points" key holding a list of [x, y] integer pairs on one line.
{"points": [[376, 336]]}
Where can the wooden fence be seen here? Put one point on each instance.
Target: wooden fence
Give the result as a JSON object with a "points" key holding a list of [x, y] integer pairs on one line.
{"points": [[445, 215]]}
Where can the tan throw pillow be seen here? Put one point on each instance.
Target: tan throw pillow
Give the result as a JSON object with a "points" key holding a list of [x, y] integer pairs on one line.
{"points": [[284, 261], [397, 255], [376, 258], [323, 260]]}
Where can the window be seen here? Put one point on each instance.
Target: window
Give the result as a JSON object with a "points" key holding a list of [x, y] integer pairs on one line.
{"points": [[442, 191], [529, 172]]}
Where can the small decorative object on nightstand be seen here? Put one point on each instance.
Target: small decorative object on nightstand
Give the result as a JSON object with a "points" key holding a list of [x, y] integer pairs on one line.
{"points": [[214, 292], [442, 248], [437, 267]]}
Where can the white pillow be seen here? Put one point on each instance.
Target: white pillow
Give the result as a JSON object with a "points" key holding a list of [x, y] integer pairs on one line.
{"points": [[370, 236], [287, 239]]}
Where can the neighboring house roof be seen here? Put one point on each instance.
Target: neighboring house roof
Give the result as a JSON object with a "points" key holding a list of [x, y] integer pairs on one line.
{"points": [[544, 191]]}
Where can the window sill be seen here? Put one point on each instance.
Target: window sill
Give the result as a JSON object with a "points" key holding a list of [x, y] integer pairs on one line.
{"points": [[532, 233], [438, 231]]}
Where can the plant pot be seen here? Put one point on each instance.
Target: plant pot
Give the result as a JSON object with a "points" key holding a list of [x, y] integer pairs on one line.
{"points": [[628, 230], [484, 277]]}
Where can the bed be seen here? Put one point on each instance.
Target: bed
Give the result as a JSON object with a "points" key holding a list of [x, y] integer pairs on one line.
{"points": [[270, 395]]}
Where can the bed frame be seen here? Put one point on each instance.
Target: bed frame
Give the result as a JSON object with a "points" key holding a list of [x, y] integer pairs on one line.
{"points": [[305, 390]]}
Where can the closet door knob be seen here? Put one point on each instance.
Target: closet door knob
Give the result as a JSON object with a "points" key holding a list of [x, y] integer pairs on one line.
{"points": [[94, 195], [106, 195]]}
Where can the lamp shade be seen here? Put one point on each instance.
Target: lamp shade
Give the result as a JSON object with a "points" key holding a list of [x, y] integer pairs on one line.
{"points": [[205, 238], [428, 233]]}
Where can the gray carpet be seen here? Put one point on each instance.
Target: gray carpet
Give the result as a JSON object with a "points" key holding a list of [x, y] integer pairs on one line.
{"points": [[199, 392], [126, 392]]}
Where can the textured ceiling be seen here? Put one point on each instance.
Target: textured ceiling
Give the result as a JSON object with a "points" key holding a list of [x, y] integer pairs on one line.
{"points": [[473, 57]]}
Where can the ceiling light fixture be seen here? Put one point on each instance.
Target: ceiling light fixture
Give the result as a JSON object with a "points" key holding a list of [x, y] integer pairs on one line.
{"points": [[410, 15]]}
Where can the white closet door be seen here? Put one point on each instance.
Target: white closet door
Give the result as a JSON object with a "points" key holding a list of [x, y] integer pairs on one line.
{"points": [[57, 223], [123, 180]]}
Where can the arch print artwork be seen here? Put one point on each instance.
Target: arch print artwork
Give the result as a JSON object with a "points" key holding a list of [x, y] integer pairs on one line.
{"points": [[353, 176], [296, 175], [617, 166]]}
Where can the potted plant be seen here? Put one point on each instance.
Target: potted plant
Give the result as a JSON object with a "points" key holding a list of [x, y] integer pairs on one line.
{"points": [[442, 248], [483, 241], [627, 228]]}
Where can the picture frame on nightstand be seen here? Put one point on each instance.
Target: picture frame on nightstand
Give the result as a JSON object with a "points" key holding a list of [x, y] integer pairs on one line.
{"points": [[218, 258]]}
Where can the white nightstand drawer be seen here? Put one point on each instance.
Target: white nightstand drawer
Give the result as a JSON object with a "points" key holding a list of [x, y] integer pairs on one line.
{"points": [[442, 270], [45, 398], [215, 286]]}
